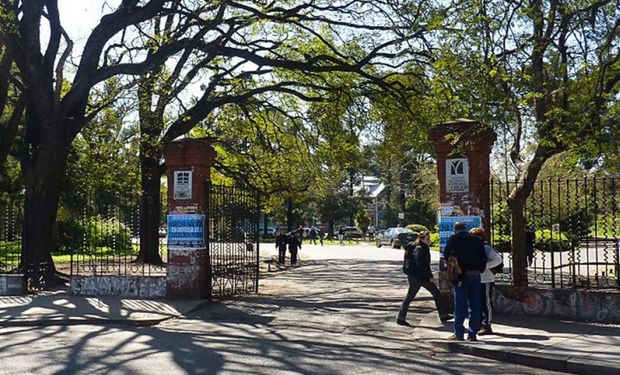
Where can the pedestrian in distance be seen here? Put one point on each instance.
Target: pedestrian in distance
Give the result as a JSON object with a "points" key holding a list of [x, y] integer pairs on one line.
{"points": [[321, 235], [294, 245], [341, 235], [487, 280], [371, 233], [313, 234], [466, 252], [300, 234], [281, 243], [417, 266]]}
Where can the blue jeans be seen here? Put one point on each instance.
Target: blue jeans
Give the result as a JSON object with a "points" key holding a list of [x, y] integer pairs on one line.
{"points": [[467, 295]]}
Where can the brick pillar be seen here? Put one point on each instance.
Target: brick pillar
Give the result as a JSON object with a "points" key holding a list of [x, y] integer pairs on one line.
{"points": [[188, 163], [462, 148]]}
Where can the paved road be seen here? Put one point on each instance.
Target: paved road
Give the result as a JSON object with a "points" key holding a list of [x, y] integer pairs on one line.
{"points": [[333, 315]]}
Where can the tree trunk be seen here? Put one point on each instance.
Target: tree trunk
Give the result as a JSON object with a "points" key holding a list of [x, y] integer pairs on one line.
{"points": [[150, 208], [330, 230], [516, 204], [289, 215], [42, 178], [519, 245]]}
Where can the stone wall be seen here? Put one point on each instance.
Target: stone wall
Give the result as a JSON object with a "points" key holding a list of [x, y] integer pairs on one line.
{"points": [[125, 286], [572, 304], [12, 285]]}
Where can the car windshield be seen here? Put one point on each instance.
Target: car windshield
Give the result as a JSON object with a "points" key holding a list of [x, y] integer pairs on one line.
{"points": [[403, 230]]}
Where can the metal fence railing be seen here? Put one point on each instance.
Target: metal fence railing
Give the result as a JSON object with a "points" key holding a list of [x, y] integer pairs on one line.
{"points": [[11, 220], [92, 236], [103, 238], [573, 232]]}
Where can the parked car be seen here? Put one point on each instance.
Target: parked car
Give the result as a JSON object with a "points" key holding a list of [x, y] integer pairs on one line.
{"points": [[396, 237], [271, 233], [353, 232]]}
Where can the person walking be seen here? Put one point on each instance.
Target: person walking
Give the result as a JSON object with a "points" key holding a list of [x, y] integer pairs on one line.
{"points": [[468, 252], [321, 235], [371, 233], [487, 280], [294, 245], [281, 242], [420, 275], [341, 235], [313, 234]]}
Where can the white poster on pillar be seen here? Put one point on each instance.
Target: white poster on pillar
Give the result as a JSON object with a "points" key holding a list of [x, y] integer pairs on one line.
{"points": [[182, 185], [457, 175]]}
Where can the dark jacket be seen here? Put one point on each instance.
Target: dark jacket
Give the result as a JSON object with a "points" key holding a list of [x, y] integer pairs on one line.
{"points": [[420, 265], [468, 250], [294, 244], [281, 242]]}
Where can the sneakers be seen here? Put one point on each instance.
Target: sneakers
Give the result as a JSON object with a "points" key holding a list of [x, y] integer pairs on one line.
{"points": [[485, 330], [446, 318], [471, 338], [456, 338], [402, 322]]}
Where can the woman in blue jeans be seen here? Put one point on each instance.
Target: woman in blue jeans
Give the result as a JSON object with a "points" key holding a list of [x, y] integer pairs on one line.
{"points": [[421, 276]]}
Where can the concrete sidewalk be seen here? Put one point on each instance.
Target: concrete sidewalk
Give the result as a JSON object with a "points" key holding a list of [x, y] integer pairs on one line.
{"points": [[63, 309], [574, 347]]}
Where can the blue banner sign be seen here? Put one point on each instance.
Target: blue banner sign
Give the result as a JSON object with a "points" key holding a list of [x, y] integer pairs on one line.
{"points": [[446, 226], [186, 230]]}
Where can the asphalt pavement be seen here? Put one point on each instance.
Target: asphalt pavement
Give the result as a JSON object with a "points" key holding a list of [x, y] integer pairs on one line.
{"points": [[334, 314]]}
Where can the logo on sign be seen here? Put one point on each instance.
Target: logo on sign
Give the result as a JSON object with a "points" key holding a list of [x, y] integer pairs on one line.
{"points": [[457, 175]]}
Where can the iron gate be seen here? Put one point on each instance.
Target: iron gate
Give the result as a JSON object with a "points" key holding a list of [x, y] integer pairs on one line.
{"points": [[232, 236], [573, 231]]}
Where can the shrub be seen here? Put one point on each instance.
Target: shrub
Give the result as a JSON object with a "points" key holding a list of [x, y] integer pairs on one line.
{"points": [[434, 240], [547, 240], [418, 228], [93, 232]]}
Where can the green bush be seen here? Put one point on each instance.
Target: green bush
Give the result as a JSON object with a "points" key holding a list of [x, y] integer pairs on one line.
{"points": [[547, 240], [418, 228], [93, 232], [434, 240]]}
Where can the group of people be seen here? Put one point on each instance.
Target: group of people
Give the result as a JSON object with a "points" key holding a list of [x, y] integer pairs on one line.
{"points": [[293, 241], [473, 263]]}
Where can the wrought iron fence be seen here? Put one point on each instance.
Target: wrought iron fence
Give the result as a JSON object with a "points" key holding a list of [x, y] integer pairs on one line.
{"points": [[11, 220], [103, 238], [232, 233], [573, 232]]}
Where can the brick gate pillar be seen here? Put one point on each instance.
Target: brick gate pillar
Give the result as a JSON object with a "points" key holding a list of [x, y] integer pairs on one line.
{"points": [[462, 148], [188, 163]]}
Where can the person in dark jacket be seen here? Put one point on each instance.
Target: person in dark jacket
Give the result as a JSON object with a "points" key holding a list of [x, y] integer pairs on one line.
{"points": [[472, 259], [294, 244], [281, 242], [420, 275]]}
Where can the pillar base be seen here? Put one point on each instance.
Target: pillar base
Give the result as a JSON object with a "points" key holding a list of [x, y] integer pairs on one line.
{"points": [[187, 273]]}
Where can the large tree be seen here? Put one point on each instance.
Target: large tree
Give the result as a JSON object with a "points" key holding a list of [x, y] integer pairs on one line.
{"points": [[237, 49], [540, 71]]}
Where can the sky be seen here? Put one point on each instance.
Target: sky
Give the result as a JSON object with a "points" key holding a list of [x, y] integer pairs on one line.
{"points": [[79, 17]]}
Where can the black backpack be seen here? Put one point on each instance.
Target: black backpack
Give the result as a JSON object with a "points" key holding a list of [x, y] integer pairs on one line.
{"points": [[408, 257]]}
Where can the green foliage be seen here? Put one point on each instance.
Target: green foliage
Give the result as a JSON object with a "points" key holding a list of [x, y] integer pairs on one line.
{"points": [[550, 241], [418, 228], [434, 239], [91, 233], [362, 220]]}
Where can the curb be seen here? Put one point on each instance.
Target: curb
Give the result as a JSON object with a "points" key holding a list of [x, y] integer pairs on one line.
{"points": [[542, 361]]}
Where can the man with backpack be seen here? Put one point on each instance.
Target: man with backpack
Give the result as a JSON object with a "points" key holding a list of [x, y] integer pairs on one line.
{"points": [[466, 260], [417, 266]]}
